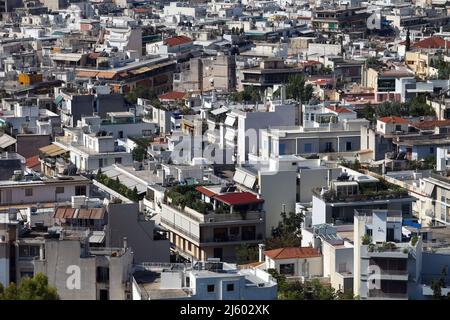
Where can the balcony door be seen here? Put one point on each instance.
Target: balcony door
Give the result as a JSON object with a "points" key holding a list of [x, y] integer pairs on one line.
{"points": [[218, 253]]}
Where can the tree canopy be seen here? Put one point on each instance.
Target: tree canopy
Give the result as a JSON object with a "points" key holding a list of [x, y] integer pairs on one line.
{"points": [[36, 288], [308, 290], [287, 233], [144, 93], [297, 89], [416, 107]]}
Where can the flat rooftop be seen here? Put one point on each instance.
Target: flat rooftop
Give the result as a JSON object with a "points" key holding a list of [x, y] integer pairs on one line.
{"points": [[150, 285]]}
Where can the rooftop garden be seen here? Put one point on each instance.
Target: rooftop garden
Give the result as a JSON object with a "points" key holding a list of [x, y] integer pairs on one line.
{"points": [[186, 196], [117, 186], [368, 191]]}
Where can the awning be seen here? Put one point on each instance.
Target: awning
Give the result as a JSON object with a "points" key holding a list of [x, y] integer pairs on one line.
{"points": [[219, 110], [52, 150], [6, 141], [229, 121], [87, 74], [428, 189], [58, 100], [97, 237]]}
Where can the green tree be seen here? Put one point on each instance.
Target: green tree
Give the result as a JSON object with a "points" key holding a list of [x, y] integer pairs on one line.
{"points": [[36, 288], [408, 41], [142, 92], [246, 253], [297, 90], [437, 285], [373, 62], [287, 233]]}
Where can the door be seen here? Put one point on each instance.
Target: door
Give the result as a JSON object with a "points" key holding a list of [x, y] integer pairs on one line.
{"points": [[218, 253], [104, 294]]}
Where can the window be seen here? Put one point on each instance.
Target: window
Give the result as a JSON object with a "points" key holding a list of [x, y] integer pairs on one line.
{"points": [[28, 251], [328, 146], [59, 190], [118, 160], [188, 282], [100, 163], [210, 288], [287, 269], [431, 150], [102, 274], [342, 267], [348, 146], [230, 287], [189, 246], [80, 190], [120, 134], [28, 192], [398, 127], [308, 147]]}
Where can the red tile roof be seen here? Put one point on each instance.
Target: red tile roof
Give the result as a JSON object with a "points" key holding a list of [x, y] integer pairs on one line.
{"points": [[205, 191], [339, 109], [433, 42], [238, 198], [176, 41], [393, 120], [431, 124], [33, 162], [173, 95], [292, 253]]}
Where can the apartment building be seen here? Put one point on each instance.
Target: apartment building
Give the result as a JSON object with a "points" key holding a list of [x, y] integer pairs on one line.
{"points": [[224, 219], [90, 151], [383, 253], [207, 280], [31, 189], [353, 190]]}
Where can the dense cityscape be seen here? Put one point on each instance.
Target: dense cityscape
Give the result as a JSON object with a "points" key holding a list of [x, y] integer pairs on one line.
{"points": [[224, 150]]}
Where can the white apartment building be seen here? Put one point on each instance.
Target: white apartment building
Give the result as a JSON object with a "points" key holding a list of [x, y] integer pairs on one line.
{"points": [[90, 151], [208, 280], [242, 129]]}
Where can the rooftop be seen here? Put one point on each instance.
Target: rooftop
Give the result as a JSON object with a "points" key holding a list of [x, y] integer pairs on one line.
{"points": [[292, 253]]}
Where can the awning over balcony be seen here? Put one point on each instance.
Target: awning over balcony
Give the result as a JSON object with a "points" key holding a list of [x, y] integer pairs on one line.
{"points": [[229, 121], [52, 150], [6, 141]]}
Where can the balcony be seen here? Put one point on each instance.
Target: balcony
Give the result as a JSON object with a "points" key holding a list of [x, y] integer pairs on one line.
{"points": [[176, 228], [380, 294], [331, 196]]}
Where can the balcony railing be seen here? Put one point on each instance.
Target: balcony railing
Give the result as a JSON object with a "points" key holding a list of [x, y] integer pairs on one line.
{"points": [[211, 216], [378, 293], [181, 230]]}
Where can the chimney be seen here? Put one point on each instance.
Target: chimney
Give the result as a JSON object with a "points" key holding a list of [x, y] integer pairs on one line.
{"points": [[261, 247]]}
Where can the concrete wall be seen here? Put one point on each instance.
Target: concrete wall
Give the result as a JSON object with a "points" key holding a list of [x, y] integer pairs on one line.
{"points": [[28, 144], [60, 255], [123, 222], [277, 189]]}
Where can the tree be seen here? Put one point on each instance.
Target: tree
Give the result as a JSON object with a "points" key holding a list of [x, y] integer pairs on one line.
{"points": [[287, 233], [373, 62], [297, 90], [408, 41], [246, 253], [308, 290], [437, 286], [142, 92], [36, 288]]}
